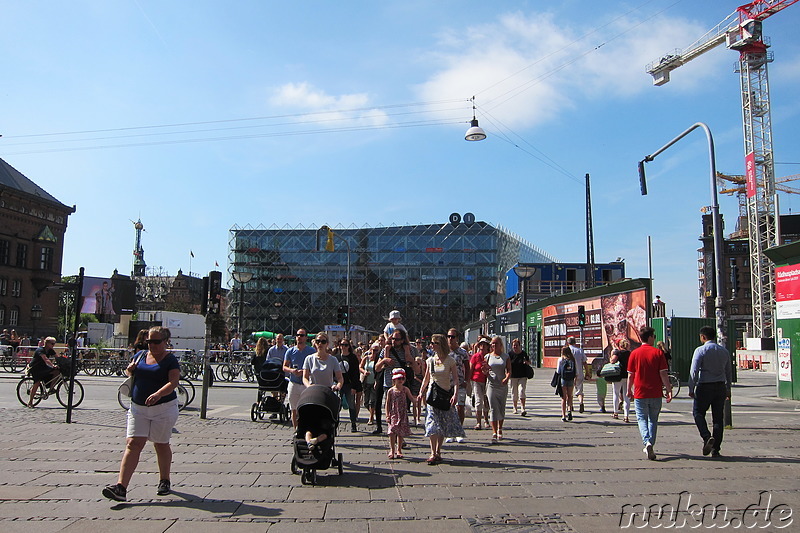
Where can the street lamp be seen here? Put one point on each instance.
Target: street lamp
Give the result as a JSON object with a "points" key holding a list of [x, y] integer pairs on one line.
{"points": [[717, 225], [524, 273], [36, 315], [241, 278], [475, 132]]}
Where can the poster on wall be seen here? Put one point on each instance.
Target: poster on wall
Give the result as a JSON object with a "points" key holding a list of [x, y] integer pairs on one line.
{"points": [[610, 319], [784, 359], [787, 292], [108, 297]]}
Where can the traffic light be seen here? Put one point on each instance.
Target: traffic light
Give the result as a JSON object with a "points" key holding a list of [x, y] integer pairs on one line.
{"points": [[342, 315], [329, 246], [581, 316], [214, 292]]}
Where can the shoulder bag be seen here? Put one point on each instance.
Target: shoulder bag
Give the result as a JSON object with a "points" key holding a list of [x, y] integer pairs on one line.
{"points": [[438, 397], [529, 371], [610, 370], [126, 388]]}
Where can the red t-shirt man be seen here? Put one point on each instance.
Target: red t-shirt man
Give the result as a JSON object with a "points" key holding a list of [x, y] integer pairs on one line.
{"points": [[646, 363]]}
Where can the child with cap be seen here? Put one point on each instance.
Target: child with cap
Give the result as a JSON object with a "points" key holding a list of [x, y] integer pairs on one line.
{"points": [[392, 326], [397, 398]]}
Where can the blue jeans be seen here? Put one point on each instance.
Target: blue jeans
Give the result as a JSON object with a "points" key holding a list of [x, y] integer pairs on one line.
{"points": [[647, 411]]}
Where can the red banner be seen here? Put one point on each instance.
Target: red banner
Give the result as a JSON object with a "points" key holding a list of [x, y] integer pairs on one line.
{"points": [[750, 173]]}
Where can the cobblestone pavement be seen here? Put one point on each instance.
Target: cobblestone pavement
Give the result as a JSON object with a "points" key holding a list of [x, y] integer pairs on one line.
{"points": [[231, 474]]}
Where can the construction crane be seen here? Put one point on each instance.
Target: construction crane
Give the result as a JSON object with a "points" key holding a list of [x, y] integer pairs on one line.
{"points": [[740, 190], [742, 31]]}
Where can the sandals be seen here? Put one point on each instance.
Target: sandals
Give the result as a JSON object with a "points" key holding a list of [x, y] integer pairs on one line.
{"points": [[499, 435], [478, 426], [615, 416], [431, 460], [494, 437], [390, 455], [627, 419]]}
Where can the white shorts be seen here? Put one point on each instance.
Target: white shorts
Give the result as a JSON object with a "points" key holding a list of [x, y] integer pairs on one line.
{"points": [[154, 422], [578, 385], [295, 390]]}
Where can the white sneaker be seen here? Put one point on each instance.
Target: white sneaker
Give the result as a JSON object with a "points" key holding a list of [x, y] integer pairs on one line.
{"points": [[459, 439], [651, 454], [448, 439]]}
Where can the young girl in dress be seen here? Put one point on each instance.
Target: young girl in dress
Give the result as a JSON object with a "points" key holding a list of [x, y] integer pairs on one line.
{"points": [[397, 398]]}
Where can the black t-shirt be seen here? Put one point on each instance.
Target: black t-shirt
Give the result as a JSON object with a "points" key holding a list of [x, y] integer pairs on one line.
{"points": [[622, 359], [518, 364]]}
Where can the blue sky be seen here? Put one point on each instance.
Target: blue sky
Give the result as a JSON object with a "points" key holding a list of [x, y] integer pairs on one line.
{"points": [[199, 115]]}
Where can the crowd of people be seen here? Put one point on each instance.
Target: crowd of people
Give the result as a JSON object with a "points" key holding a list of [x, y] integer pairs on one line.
{"points": [[430, 383]]}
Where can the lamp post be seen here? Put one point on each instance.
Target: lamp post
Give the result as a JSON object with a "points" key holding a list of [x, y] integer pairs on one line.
{"points": [[36, 315], [241, 278], [717, 225], [524, 273], [719, 310]]}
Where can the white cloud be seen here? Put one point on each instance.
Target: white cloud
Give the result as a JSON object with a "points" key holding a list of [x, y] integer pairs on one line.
{"points": [[526, 69], [319, 107]]}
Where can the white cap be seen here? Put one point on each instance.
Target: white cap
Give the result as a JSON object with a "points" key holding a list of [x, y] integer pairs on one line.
{"points": [[395, 314]]}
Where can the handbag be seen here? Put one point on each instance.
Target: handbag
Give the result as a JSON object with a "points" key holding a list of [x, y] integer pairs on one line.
{"points": [[529, 371], [126, 387], [439, 397], [556, 381], [610, 370]]}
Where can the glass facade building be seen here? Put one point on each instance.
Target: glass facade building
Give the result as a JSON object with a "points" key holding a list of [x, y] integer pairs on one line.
{"points": [[437, 275]]}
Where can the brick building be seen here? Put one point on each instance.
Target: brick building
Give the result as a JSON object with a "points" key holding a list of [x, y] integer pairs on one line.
{"points": [[32, 227]]}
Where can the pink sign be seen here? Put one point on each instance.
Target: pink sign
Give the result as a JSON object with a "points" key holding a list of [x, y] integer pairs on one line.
{"points": [[787, 283], [750, 173]]}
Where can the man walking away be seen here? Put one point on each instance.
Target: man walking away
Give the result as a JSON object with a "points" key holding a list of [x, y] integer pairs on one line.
{"points": [[647, 377], [580, 370], [710, 386]]}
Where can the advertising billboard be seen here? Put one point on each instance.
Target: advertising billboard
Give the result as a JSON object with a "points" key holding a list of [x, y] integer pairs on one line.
{"points": [[108, 297], [610, 318]]}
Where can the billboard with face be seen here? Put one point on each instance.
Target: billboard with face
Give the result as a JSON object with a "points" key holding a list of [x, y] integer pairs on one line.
{"points": [[612, 321], [108, 296]]}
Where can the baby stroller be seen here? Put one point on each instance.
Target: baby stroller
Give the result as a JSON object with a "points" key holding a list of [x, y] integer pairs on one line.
{"points": [[270, 380], [317, 412]]}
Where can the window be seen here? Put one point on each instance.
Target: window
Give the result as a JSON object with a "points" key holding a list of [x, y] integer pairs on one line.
{"points": [[16, 288], [3, 289], [5, 252], [46, 259], [22, 255], [13, 316]]}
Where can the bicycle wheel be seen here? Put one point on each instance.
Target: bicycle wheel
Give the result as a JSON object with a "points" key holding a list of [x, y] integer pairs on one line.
{"points": [[11, 363], [123, 399], [676, 385], [227, 373], [183, 395], [189, 386], [24, 391], [62, 393]]}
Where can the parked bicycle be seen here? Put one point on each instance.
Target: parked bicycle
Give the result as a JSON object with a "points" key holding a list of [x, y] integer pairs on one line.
{"points": [[59, 386], [185, 392], [675, 382]]}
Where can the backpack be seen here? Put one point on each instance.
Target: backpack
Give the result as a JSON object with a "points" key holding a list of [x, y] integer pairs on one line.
{"points": [[568, 372]]}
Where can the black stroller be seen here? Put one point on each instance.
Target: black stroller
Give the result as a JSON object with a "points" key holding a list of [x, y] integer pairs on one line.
{"points": [[317, 412], [271, 380]]}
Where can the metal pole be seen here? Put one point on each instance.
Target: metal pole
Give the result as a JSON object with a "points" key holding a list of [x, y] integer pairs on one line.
{"points": [[74, 347], [241, 307], [206, 368], [719, 310], [525, 315]]}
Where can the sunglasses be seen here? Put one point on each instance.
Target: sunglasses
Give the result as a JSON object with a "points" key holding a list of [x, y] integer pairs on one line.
{"points": [[452, 336], [154, 341], [344, 344], [300, 335], [321, 341]]}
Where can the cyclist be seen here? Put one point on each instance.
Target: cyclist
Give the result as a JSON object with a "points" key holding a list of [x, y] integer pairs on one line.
{"points": [[43, 366]]}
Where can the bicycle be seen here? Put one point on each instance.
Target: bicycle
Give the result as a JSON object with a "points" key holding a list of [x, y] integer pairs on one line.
{"points": [[675, 382], [184, 390], [58, 385]]}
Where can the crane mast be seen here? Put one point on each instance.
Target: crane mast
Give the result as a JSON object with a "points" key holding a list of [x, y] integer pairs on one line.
{"points": [[741, 31]]}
